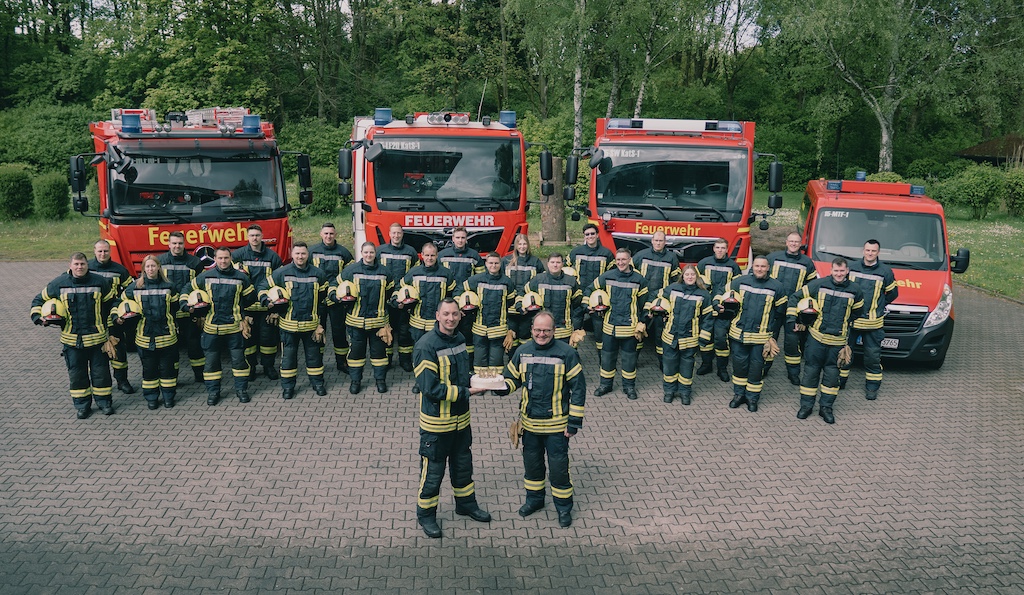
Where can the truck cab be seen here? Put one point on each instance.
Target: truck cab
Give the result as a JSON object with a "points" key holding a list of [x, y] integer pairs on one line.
{"points": [[838, 216]]}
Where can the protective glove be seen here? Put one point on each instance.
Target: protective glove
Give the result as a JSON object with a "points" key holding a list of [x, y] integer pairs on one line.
{"points": [[771, 349], [845, 356], [515, 430], [576, 338], [38, 320], [246, 326], [385, 334], [319, 336], [109, 347], [799, 327], [510, 339], [640, 332], [272, 319]]}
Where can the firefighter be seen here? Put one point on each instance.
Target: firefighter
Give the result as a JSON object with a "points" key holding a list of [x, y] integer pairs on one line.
{"points": [[590, 260], [561, 297], [119, 276], [399, 258], [687, 309], [837, 302], [433, 283], [551, 406], [793, 269], [521, 266], [491, 335], [181, 269], [259, 261], [877, 281], [762, 307], [464, 262], [83, 297], [661, 268], [622, 329], [369, 330], [156, 335], [442, 367], [718, 271], [230, 291], [300, 322], [331, 257]]}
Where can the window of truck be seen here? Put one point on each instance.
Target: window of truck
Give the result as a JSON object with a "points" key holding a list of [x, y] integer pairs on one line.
{"points": [[186, 185], [674, 183], [908, 240], [448, 174]]}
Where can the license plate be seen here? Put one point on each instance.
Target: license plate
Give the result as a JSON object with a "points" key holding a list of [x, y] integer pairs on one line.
{"points": [[888, 343]]}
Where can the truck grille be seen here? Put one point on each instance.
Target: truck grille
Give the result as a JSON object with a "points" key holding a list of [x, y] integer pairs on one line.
{"points": [[903, 323]]}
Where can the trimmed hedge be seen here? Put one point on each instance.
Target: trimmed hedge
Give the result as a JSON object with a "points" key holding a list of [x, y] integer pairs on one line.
{"points": [[15, 193], [53, 196]]}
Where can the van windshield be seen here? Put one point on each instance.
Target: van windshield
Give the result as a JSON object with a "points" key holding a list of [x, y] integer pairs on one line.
{"points": [[672, 183], [908, 240]]}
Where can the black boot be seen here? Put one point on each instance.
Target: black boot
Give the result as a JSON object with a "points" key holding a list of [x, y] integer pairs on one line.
{"points": [[405, 361], [168, 397], [287, 393], [706, 365], [341, 363], [752, 400], [723, 369], [805, 409], [355, 386], [430, 526], [124, 386], [320, 387], [602, 389], [684, 395], [197, 371], [826, 414], [737, 400], [382, 386]]}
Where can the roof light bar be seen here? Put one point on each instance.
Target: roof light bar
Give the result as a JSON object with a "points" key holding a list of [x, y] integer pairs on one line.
{"points": [[447, 118]]}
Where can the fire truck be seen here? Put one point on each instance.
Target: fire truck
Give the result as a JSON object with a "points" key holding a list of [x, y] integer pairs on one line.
{"points": [[692, 179], [838, 216], [209, 173], [433, 172]]}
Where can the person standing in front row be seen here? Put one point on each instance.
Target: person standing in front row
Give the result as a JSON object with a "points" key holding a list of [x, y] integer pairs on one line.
{"points": [[442, 366], [367, 320], [622, 328], [554, 393], [156, 335], [688, 326]]}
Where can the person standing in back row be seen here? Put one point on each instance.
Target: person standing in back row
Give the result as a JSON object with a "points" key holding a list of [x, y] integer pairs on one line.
{"points": [[877, 281], [793, 269], [259, 261], [464, 262], [331, 257], [718, 272], [399, 258], [181, 268], [591, 260], [661, 268], [104, 266]]}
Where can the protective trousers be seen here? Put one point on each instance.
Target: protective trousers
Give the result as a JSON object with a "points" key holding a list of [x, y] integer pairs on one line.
{"points": [[872, 344], [339, 334], [793, 346], [290, 359], [437, 450], [363, 340], [520, 323], [747, 370], [677, 368], [159, 374], [487, 353], [213, 345], [89, 376], [263, 341], [610, 348], [820, 369], [557, 448], [399, 318], [119, 363], [189, 334]]}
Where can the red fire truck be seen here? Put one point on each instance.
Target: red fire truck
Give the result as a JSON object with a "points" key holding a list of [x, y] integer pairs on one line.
{"points": [[432, 172], [692, 179], [209, 173]]}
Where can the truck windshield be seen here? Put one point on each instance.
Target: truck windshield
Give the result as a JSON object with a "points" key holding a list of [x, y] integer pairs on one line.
{"points": [[673, 183], [194, 186], [448, 174], [908, 240]]}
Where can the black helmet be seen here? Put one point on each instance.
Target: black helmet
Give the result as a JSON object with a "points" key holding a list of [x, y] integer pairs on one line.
{"points": [[730, 304]]}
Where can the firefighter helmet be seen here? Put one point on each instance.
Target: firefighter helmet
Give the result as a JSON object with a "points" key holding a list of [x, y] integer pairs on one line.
{"points": [[660, 306], [129, 310], [199, 302], [568, 270], [599, 300], [532, 301], [53, 312], [729, 303], [347, 291], [278, 297], [468, 301], [407, 294], [807, 311]]}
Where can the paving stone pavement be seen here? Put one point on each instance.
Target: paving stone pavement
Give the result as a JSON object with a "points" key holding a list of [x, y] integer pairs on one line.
{"points": [[917, 492]]}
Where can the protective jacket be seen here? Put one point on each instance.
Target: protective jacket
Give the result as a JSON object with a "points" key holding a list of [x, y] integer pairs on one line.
{"points": [[627, 292], [330, 259], [590, 263], [792, 270], [659, 268], [553, 387], [230, 291], [717, 274], [160, 304], [308, 291], [114, 271], [259, 265], [180, 270], [375, 287], [839, 305], [442, 368], [464, 263], [526, 268], [497, 293], [433, 285], [87, 299], [762, 309], [689, 319], [561, 296], [880, 290], [398, 259]]}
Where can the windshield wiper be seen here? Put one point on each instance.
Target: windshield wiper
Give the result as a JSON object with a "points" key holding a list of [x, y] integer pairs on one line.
{"points": [[720, 214], [638, 205], [418, 198], [908, 265]]}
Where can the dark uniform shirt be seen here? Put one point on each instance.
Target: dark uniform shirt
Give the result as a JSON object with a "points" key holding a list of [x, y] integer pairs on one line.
{"points": [[839, 304], [307, 289], [330, 259], [88, 299], [554, 389], [442, 368], [258, 265], [464, 263], [230, 291], [433, 284], [181, 270], [159, 300], [762, 309], [880, 290]]}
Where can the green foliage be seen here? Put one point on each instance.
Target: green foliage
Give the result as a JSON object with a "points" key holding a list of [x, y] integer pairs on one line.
{"points": [[325, 192], [45, 136], [926, 168], [15, 193], [1014, 197], [977, 188], [52, 195], [317, 138], [850, 173], [885, 176]]}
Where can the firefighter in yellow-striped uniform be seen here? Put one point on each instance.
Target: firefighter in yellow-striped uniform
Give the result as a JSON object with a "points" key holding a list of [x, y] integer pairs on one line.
{"points": [[718, 271], [259, 261], [181, 268], [880, 289], [661, 268], [590, 260], [560, 296], [369, 330], [622, 328], [84, 298], [331, 257], [551, 407], [491, 334], [793, 269], [442, 366], [399, 258], [104, 266], [156, 335], [300, 319]]}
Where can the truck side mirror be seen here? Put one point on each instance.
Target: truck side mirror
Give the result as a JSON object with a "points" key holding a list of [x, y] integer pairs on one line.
{"points": [[596, 158], [547, 188], [775, 201], [575, 216], [344, 188], [345, 164], [960, 262], [545, 167], [373, 152], [305, 174], [305, 197], [775, 177], [569, 195], [80, 203], [572, 169], [76, 174]]}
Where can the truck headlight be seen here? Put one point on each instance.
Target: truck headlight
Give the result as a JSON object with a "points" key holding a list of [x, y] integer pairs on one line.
{"points": [[942, 309]]}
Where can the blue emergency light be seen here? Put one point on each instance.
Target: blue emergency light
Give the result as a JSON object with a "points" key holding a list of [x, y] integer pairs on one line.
{"points": [[507, 118], [131, 123], [382, 116], [251, 124], [861, 176], [916, 190]]}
